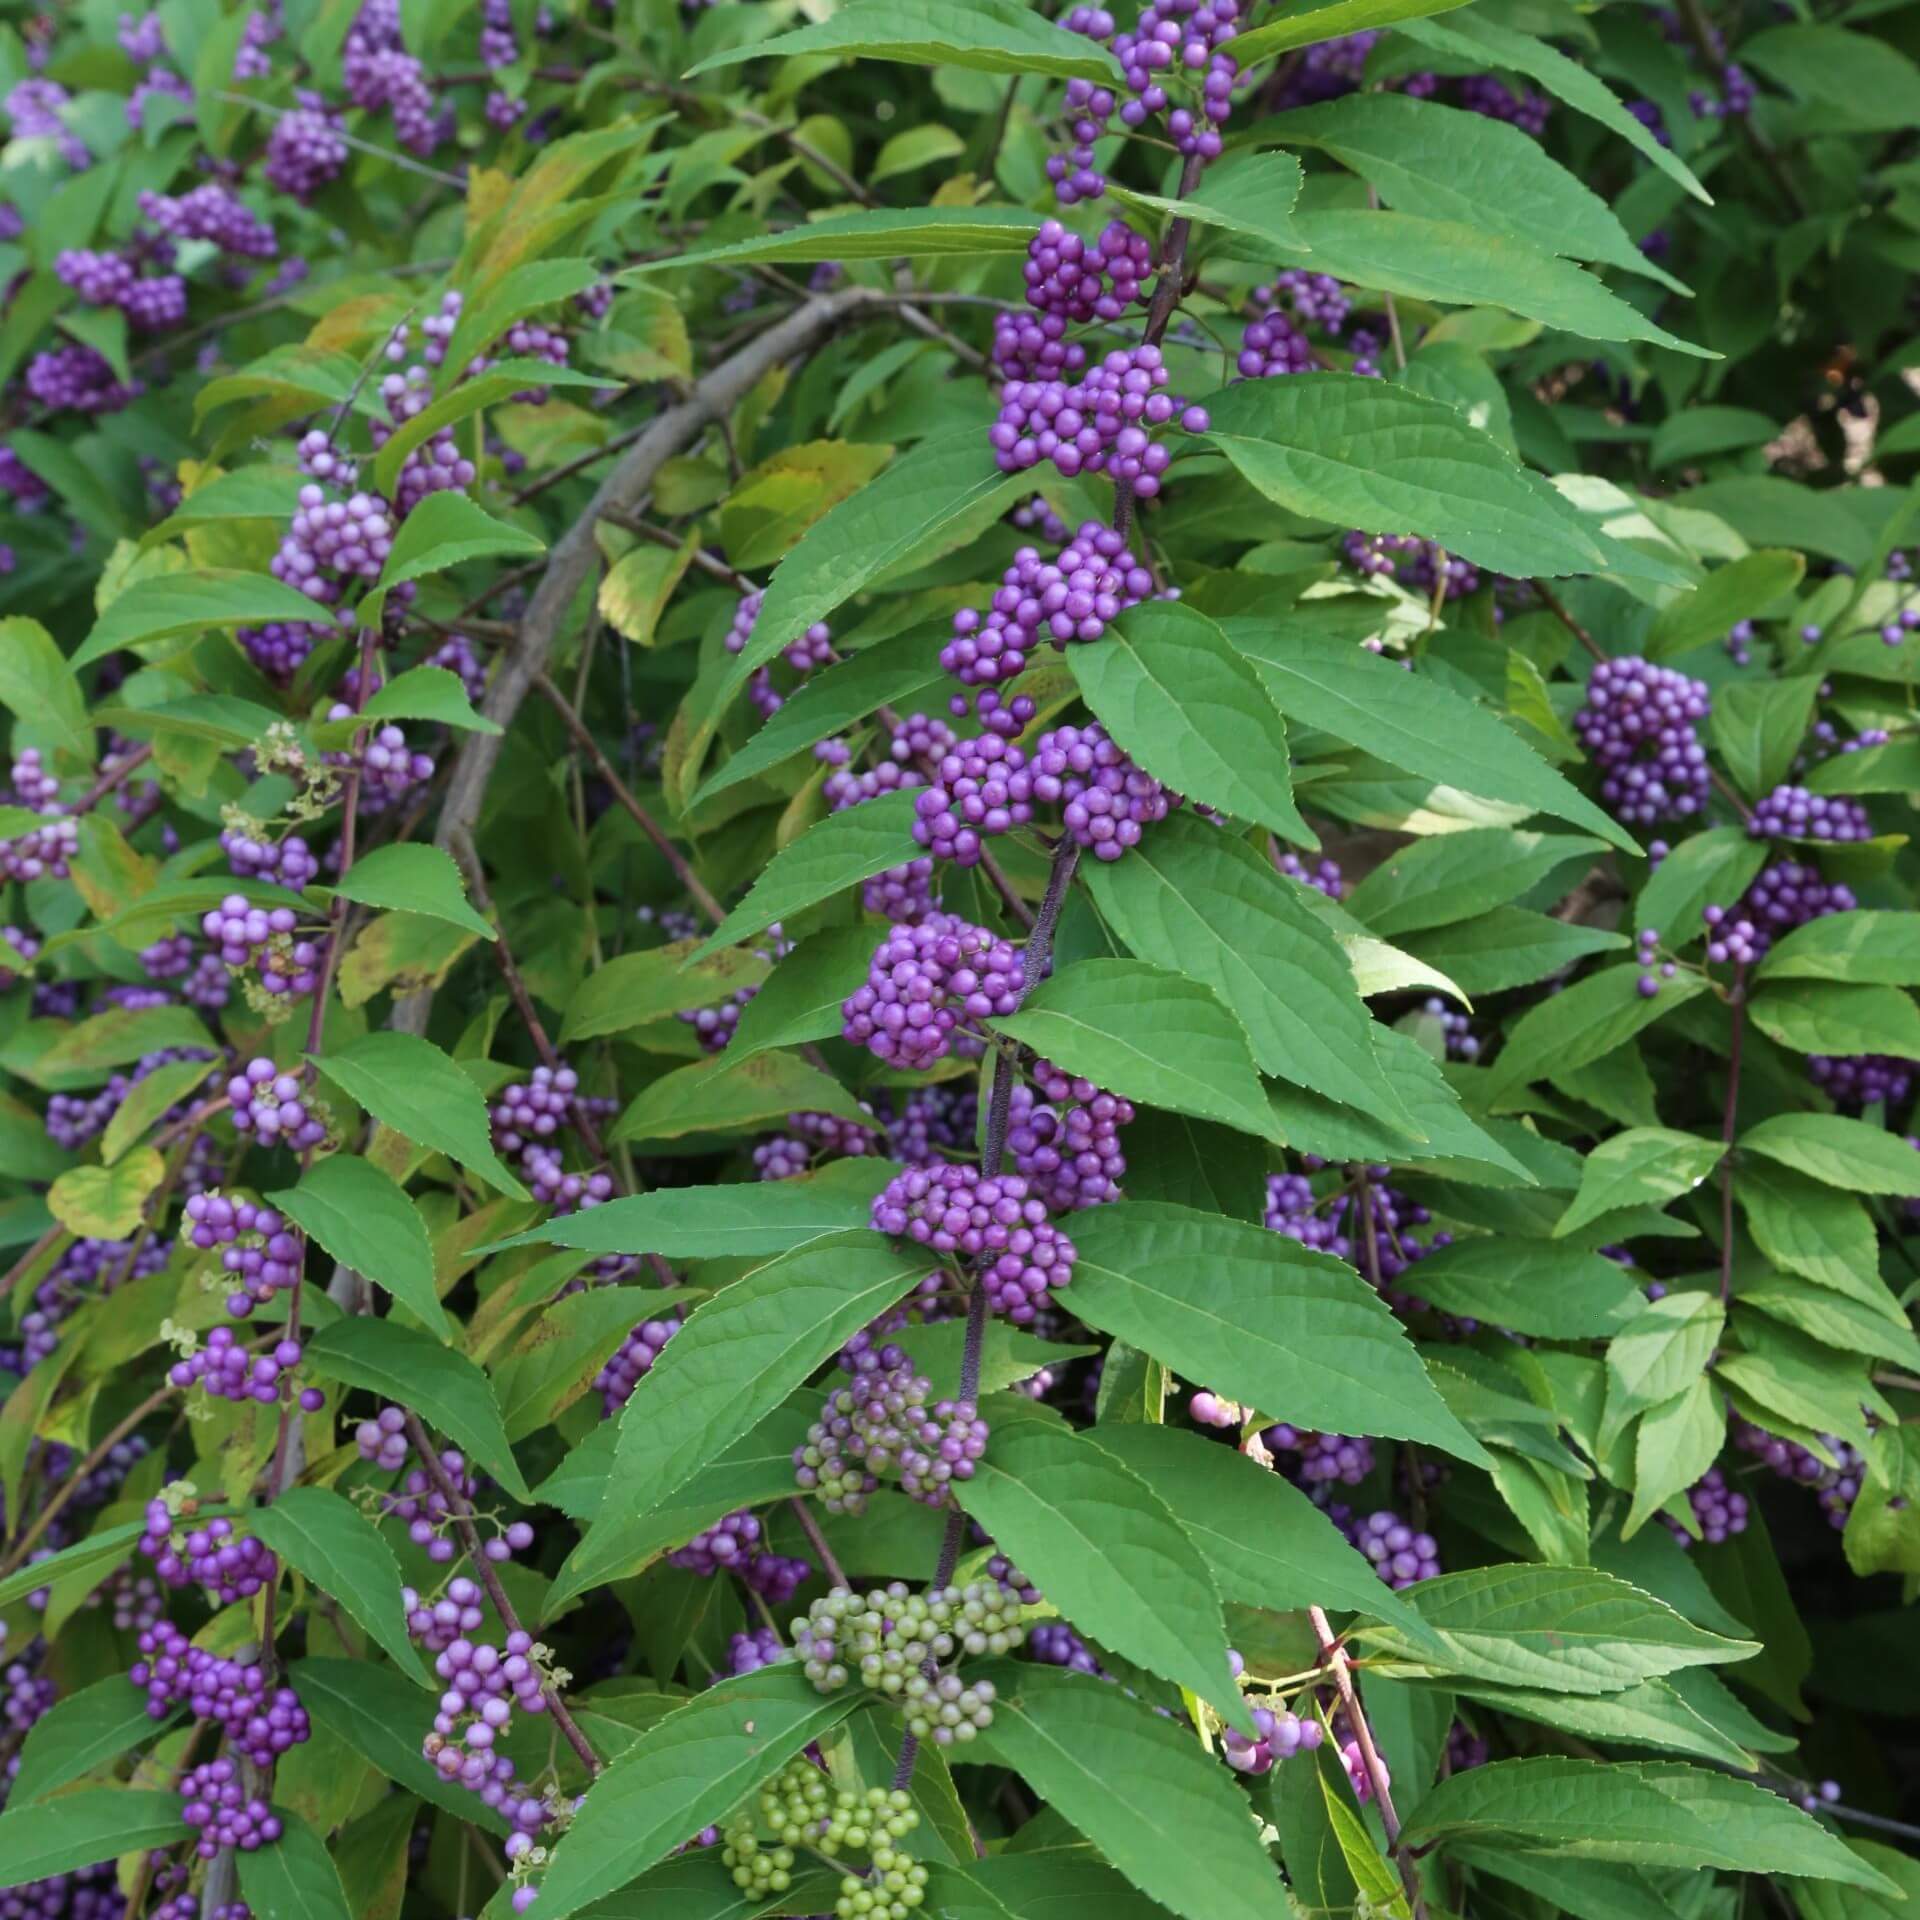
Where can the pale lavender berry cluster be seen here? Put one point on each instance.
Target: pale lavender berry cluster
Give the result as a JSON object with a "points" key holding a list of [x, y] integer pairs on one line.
{"points": [[226, 1371], [306, 150], [43, 852], [217, 1806], [880, 1427], [1400, 1555], [258, 1723], [1324, 876], [997, 1222], [1792, 813], [1104, 798], [428, 1513], [1732, 938], [389, 768], [1055, 1644], [1064, 1136], [1838, 1486], [331, 543], [616, 1381], [533, 1111], [380, 73], [457, 656], [733, 1544], [270, 1107], [812, 649], [1073, 598], [923, 983], [1322, 1459], [749, 1652], [1859, 1080], [262, 1257], [1719, 1511], [211, 212], [1278, 1736], [288, 863], [1456, 1029], [1637, 723], [230, 1567], [1100, 424], [980, 788], [263, 938]]}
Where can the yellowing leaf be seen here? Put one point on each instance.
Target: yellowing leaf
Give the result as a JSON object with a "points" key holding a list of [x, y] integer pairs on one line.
{"points": [[635, 594], [781, 498], [105, 1203], [402, 951]]}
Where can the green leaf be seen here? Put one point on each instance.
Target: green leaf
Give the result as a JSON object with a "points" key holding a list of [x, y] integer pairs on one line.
{"points": [[1198, 901], [802, 996], [81, 1733], [1757, 727], [1837, 1151], [412, 878], [982, 36], [445, 1388], [1659, 1813], [736, 1358], [1328, 20], [1586, 1022], [634, 596], [1675, 1443], [446, 529], [1259, 1318], [1697, 433], [698, 1886], [1842, 1322], [685, 1772], [833, 854], [1443, 163], [1269, 1546], [1147, 1035], [1462, 263], [1805, 1227], [917, 147], [367, 1224], [1107, 1550], [1707, 869], [701, 1223], [1250, 194], [498, 384], [95, 505], [1644, 1166], [101, 1549], [1456, 876], [295, 1878], [326, 1537], [1856, 79], [411, 1086], [1414, 723], [167, 605], [1664, 1350], [722, 1096], [1568, 1629], [1508, 947], [1881, 1536], [147, 1100], [634, 988], [570, 1342], [1368, 454], [935, 497], [769, 510], [37, 686], [248, 493], [383, 1717], [1743, 589], [1829, 1018], [1139, 1788], [1526, 1286], [84, 1828], [875, 233], [897, 673], [1800, 1382], [1872, 948], [219, 717], [1652, 1714], [1179, 699], [1481, 42], [427, 693], [520, 291]]}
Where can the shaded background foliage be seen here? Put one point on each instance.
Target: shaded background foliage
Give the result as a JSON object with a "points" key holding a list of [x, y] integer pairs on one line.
{"points": [[802, 798]]}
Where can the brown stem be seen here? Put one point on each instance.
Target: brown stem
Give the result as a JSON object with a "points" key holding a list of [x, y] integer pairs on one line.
{"points": [[818, 1541], [1335, 1656], [114, 778], [678, 861], [470, 1539], [1729, 1122], [44, 1245], [71, 1484]]}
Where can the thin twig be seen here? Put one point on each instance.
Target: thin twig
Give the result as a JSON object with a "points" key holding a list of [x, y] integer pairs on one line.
{"points": [[470, 1539], [456, 181], [1336, 1660], [818, 1541], [1729, 1119]]}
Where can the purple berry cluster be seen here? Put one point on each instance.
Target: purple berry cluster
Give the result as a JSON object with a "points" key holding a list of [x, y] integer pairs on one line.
{"points": [[217, 1806], [812, 649], [1719, 1511], [733, 1545], [924, 984], [1638, 724], [1854, 1082], [1100, 424], [1105, 800], [981, 788], [261, 1258], [211, 212], [1792, 813], [257, 1723], [1064, 1135], [616, 1381], [227, 1371], [997, 1223], [1400, 1555], [1838, 1485], [270, 1107], [1322, 1459], [1277, 1736], [42, 853], [287, 863]]}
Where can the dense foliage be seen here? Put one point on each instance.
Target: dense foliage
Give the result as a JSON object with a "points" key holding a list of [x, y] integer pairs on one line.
{"points": [[958, 957]]}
